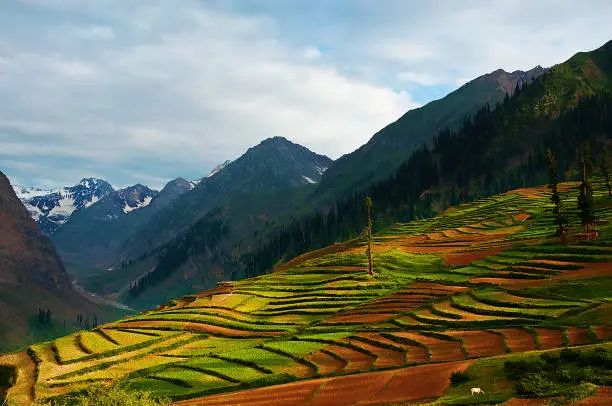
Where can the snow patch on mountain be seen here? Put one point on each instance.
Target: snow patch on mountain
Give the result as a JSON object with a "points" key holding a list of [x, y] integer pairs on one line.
{"points": [[139, 205], [27, 192], [320, 169], [307, 179], [60, 214], [218, 168], [51, 208], [92, 201]]}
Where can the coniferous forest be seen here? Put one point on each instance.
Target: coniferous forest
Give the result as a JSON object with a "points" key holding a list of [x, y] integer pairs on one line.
{"points": [[499, 149]]}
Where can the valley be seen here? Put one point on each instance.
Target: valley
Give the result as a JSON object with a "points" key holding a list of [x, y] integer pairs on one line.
{"points": [[461, 255], [456, 292]]}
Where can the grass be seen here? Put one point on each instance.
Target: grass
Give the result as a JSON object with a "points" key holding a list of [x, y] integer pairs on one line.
{"points": [[159, 357]]}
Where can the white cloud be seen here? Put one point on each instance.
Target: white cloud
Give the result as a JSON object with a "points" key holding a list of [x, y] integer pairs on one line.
{"points": [[311, 53], [423, 79], [154, 90], [404, 51]]}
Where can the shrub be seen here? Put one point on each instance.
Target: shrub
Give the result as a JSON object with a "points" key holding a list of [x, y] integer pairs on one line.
{"points": [[458, 377], [8, 374], [534, 384], [568, 355], [102, 395]]}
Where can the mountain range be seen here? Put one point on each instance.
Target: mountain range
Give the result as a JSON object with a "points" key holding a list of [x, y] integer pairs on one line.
{"points": [[278, 187], [52, 208]]}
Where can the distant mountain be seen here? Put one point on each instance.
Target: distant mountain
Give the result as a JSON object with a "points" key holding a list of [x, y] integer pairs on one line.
{"points": [[93, 234], [32, 274], [94, 231], [392, 145], [274, 164], [173, 189], [218, 168], [52, 208]]}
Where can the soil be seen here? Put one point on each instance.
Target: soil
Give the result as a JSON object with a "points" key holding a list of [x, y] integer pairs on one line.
{"points": [[356, 360], [589, 270], [360, 318], [386, 358], [436, 287], [518, 339], [601, 398], [440, 350], [326, 363], [280, 395], [603, 333], [465, 316], [480, 343], [577, 336], [464, 258], [421, 382], [199, 327], [549, 338]]}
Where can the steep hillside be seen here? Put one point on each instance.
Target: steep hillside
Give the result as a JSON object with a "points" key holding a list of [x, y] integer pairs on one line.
{"points": [[53, 208], [391, 146], [481, 284], [274, 164], [502, 147], [32, 276]]}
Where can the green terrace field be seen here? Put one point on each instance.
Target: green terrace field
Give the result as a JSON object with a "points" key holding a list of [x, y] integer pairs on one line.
{"points": [[476, 286]]}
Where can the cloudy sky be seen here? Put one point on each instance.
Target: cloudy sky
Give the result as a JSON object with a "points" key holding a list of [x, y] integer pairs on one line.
{"points": [[149, 90]]}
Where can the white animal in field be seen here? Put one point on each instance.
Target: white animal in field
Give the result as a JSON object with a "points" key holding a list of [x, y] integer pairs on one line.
{"points": [[477, 391]]}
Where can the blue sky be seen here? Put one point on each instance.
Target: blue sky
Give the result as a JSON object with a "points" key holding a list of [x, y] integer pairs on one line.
{"points": [[148, 90]]}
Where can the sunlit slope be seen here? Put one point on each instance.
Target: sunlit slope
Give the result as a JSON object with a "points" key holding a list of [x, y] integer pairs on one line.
{"points": [[480, 280]]}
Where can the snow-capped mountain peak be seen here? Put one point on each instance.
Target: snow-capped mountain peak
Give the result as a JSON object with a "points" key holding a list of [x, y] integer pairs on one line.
{"points": [[51, 208], [27, 192], [135, 197]]}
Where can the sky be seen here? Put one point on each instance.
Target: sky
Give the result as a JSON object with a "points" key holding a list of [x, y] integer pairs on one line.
{"points": [[144, 91]]}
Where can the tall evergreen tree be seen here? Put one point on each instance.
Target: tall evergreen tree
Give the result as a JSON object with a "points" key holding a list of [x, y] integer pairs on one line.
{"points": [[368, 205], [551, 162], [585, 198], [605, 170]]}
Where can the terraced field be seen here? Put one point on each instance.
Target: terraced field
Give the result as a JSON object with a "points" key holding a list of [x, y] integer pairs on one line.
{"points": [[480, 281]]}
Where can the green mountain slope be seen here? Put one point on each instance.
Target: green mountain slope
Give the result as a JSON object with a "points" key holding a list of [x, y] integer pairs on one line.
{"points": [[478, 283], [498, 150], [388, 148], [502, 147]]}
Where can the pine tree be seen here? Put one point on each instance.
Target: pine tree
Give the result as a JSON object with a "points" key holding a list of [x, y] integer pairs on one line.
{"points": [[605, 170], [585, 198], [551, 162], [368, 204]]}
